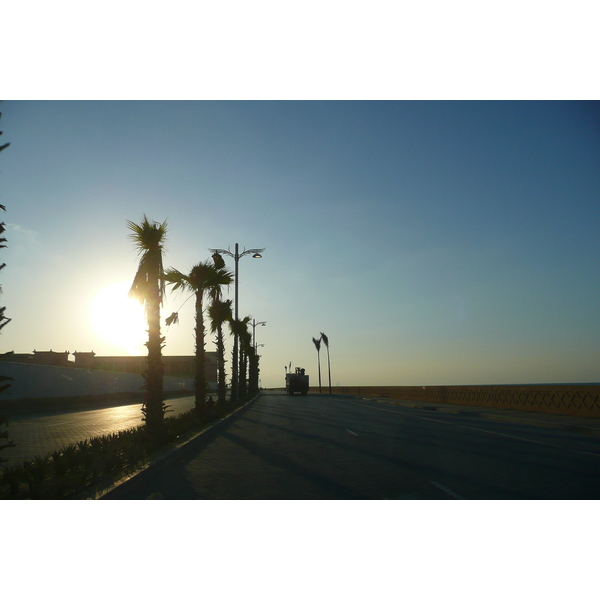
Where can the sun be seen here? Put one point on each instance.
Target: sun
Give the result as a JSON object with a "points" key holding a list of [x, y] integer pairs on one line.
{"points": [[119, 320]]}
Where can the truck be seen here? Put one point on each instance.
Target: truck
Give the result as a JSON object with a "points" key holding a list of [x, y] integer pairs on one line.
{"points": [[296, 382]]}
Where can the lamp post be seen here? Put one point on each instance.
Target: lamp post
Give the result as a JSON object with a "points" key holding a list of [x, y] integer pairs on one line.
{"points": [[217, 252], [254, 325]]}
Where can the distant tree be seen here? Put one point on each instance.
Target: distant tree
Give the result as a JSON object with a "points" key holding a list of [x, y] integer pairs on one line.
{"points": [[317, 344], [203, 279], [4, 320], [326, 342], [220, 313], [149, 288]]}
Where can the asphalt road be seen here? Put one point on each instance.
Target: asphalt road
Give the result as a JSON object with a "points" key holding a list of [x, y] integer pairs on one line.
{"points": [[37, 434], [321, 447]]}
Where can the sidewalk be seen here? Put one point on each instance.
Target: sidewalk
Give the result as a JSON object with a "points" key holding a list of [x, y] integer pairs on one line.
{"points": [[120, 489]]}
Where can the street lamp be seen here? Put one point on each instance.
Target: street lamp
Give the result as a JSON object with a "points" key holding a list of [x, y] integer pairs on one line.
{"points": [[254, 324], [217, 252]]}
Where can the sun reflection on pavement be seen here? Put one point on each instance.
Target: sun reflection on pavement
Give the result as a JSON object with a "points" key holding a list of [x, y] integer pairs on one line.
{"points": [[39, 434]]}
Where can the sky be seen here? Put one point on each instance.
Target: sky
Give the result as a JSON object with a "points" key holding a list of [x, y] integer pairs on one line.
{"points": [[434, 242]]}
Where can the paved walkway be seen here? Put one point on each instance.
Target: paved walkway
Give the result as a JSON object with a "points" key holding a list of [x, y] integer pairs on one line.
{"points": [[41, 433]]}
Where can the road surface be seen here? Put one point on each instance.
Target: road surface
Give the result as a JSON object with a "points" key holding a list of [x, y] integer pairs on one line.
{"points": [[321, 447]]}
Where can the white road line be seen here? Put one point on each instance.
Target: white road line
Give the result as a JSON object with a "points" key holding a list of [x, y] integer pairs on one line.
{"points": [[514, 437], [352, 432], [446, 490]]}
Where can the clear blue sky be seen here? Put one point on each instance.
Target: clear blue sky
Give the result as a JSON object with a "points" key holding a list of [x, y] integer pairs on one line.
{"points": [[433, 242]]}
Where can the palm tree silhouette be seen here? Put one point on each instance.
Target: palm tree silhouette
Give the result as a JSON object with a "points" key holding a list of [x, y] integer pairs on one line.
{"points": [[203, 279], [326, 342], [149, 288], [317, 344], [253, 372], [239, 329], [245, 352], [220, 313]]}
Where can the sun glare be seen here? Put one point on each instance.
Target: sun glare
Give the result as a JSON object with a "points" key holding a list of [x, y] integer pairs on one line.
{"points": [[119, 320]]}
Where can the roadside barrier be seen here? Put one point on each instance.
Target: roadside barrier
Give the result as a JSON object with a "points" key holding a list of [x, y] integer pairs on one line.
{"points": [[576, 400]]}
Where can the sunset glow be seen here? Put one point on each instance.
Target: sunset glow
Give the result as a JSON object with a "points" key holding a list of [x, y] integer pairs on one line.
{"points": [[118, 319]]}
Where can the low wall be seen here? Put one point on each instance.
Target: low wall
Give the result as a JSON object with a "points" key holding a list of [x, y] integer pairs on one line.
{"points": [[578, 400], [33, 383]]}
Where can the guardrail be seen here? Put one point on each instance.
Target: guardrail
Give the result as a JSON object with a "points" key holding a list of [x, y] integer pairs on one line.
{"points": [[577, 400]]}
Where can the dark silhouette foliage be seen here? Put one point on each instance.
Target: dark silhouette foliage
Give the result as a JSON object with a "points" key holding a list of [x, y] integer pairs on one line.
{"points": [[4, 320], [149, 288], [326, 342], [317, 343]]}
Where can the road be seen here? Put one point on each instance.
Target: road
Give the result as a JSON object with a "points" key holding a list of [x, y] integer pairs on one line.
{"points": [[320, 447], [40, 433]]}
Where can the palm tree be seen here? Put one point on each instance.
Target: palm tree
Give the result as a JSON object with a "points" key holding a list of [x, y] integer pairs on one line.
{"points": [[239, 329], [317, 344], [220, 313], [203, 279], [326, 341], [245, 351], [149, 288], [253, 372]]}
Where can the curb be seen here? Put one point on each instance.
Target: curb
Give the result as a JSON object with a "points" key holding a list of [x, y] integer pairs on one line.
{"points": [[120, 489]]}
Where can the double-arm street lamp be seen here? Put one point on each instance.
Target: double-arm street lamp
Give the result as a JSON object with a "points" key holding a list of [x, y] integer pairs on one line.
{"points": [[217, 252], [254, 325]]}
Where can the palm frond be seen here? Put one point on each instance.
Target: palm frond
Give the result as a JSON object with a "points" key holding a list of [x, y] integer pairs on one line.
{"points": [[317, 343], [177, 279], [219, 312], [325, 339], [173, 319], [149, 238]]}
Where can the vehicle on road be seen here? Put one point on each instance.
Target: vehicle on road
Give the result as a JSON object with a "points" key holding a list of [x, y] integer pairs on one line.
{"points": [[296, 382]]}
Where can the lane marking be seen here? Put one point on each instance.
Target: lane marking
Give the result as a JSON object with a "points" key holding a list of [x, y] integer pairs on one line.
{"points": [[514, 437], [446, 490], [352, 432]]}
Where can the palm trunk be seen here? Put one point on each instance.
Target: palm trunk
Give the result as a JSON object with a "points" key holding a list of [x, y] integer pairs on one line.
{"points": [[242, 374], [154, 408], [222, 384], [329, 370], [200, 383], [319, 361], [234, 370], [253, 375]]}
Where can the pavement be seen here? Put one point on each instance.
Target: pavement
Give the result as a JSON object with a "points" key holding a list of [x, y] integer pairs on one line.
{"points": [[122, 488]]}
